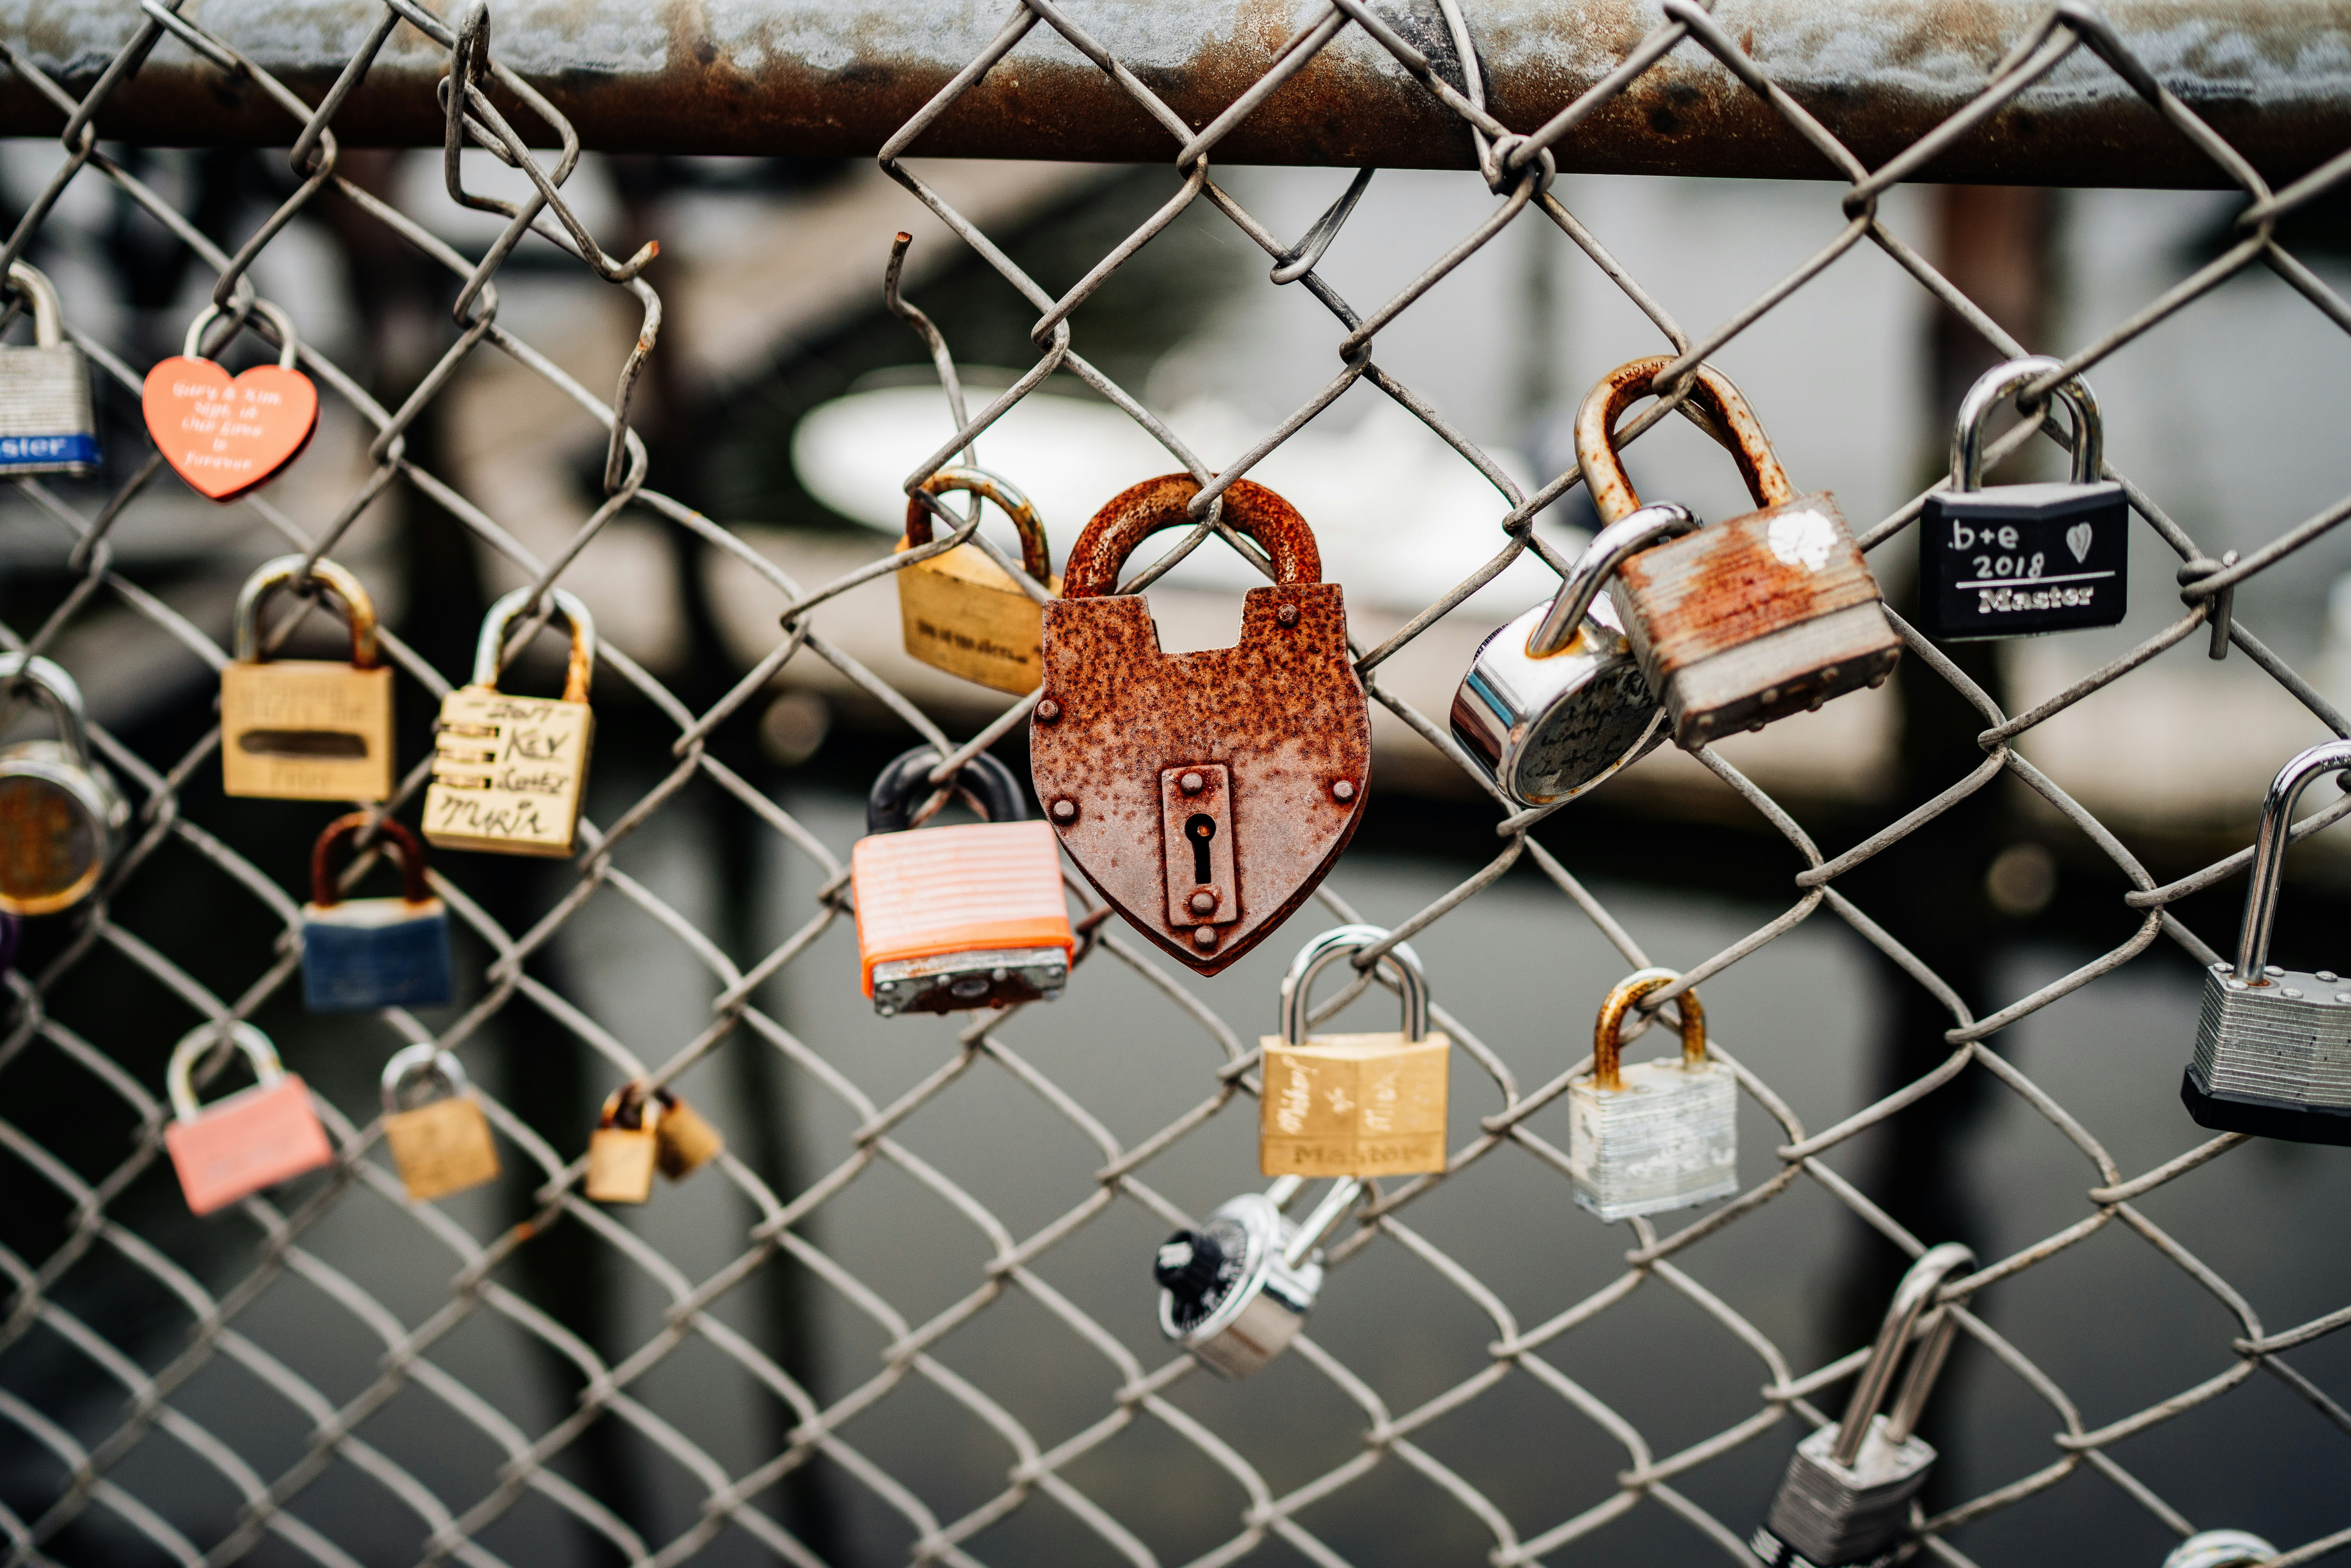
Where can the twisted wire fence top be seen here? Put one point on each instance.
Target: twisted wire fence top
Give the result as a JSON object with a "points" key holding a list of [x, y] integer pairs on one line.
{"points": [[87, 1463]]}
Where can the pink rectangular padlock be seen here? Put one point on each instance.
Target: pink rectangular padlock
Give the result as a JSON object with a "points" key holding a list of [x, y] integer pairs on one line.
{"points": [[233, 1148]]}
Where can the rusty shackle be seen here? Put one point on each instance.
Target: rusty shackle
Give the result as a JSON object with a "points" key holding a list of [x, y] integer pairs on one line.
{"points": [[396, 838], [1728, 419], [1135, 514], [1607, 1050], [285, 572], [1035, 558]]}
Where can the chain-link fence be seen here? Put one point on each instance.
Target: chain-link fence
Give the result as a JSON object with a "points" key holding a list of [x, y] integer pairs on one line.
{"points": [[95, 1477]]}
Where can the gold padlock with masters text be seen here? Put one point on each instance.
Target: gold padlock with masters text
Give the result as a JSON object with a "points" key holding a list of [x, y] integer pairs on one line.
{"points": [[305, 730], [1353, 1105], [508, 771], [961, 612]]}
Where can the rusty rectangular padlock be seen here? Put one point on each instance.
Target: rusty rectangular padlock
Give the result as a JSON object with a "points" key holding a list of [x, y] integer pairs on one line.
{"points": [[963, 613], [1352, 1104], [441, 1145], [364, 953], [1768, 615], [234, 1147], [508, 772], [624, 1149], [683, 1141], [1648, 1136], [1204, 794], [305, 730]]}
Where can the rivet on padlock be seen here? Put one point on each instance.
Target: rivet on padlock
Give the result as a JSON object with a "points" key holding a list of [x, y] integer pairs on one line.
{"points": [[2273, 1046], [1654, 1135], [2220, 1549], [625, 1147], [441, 1145], [256, 1138], [508, 772], [2019, 560], [1768, 615], [683, 1141], [45, 426], [362, 953], [1846, 1499], [1235, 1291], [60, 814], [305, 730], [1275, 728], [227, 435], [963, 613], [950, 919], [1352, 1104]]}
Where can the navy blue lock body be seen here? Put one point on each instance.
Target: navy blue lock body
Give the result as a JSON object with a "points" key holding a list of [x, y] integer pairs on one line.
{"points": [[366, 953], [2017, 560]]}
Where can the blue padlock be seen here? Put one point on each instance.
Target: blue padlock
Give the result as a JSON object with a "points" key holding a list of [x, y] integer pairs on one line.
{"points": [[363, 953]]}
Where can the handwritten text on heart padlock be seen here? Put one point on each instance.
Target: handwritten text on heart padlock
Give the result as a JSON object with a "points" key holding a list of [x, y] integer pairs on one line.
{"points": [[227, 435]]}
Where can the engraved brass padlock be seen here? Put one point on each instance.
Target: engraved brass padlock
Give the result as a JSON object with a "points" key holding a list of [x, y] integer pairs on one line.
{"points": [[961, 612], [1768, 615], [441, 1145], [305, 730], [1207, 794], [625, 1147], [508, 772], [1236, 1291], [1352, 1104], [60, 814], [45, 426], [258, 1137], [683, 1141], [1654, 1135], [362, 953]]}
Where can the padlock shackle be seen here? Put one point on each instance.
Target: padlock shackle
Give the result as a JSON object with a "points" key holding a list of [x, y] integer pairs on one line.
{"points": [[630, 1108], [288, 343], [1611, 548], [1344, 942], [986, 783], [1608, 1047], [1322, 1220], [1136, 513], [1992, 387], [2220, 1549], [422, 1061], [396, 838], [489, 647], [48, 316], [54, 690], [1912, 1297], [1726, 417], [179, 1076], [286, 571], [2259, 920], [1036, 559]]}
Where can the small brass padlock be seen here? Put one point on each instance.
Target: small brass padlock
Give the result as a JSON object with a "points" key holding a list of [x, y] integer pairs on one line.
{"points": [[60, 814], [305, 730], [45, 426], [683, 1141], [1236, 1291], [1352, 1104], [441, 1145], [1657, 1135], [625, 1147], [508, 772], [961, 612], [363, 953], [234, 1147]]}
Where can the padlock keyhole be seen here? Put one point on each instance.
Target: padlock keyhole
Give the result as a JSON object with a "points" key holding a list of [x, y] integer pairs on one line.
{"points": [[1200, 829]]}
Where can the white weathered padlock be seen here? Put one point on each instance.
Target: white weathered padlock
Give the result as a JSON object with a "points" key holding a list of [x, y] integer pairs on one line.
{"points": [[1657, 1134], [442, 1143], [1235, 1291], [236, 1147], [45, 426], [61, 815]]}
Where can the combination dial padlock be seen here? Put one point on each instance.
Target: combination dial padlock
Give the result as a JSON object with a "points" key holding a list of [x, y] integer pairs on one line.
{"points": [[60, 814], [1235, 1291], [1653, 1135], [1846, 1499], [963, 613], [950, 919], [1352, 1104], [305, 730], [508, 772], [2220, 1549], [440, 1140], [1771, 613], [45, 424], [2273, 1046], [363, 953], [254, 1138]]}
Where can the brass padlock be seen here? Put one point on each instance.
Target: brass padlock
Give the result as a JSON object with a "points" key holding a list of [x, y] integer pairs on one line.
{"points": [[1352, 1104], [442, 1145], [625, 1147], [1768, 615], [61, 815], [45, 424], [683, 1141], [508, 771], [963, 613], [305, 730]]}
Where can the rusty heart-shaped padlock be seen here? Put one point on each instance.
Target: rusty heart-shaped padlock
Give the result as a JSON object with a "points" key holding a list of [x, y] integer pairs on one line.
{"points": [[1206, 794]]}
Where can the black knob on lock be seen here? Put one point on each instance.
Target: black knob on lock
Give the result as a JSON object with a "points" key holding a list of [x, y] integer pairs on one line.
{"points": [[1188, 1265]]}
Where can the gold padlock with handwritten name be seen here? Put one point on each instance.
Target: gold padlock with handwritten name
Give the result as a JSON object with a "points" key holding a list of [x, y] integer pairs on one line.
{"points": [[508, 772], [305, 730], [1353, 1105]]}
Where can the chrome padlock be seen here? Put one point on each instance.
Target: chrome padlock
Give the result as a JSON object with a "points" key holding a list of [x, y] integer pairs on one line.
{"points": [[1768, 615], [2273, 1046], [362, 953], [625, 1147], [305, 730], [1352, 1104], [1846, 1499], [256, 1138], [950, 919], [508, 772], [683, 1141], [60, 814], [45, 424], [2220, 1549], [2017, 561], [1235, 1291], [1654, 1135], [963, 613], [441, 1145]]}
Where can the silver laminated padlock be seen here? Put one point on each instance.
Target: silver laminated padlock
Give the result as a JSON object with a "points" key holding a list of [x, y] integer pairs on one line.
{"points": [[46, 427], [2273, 1045], [1657, 1134], [61, 815], [2220, 1549], [1846, 1499], [1235, 1291]]}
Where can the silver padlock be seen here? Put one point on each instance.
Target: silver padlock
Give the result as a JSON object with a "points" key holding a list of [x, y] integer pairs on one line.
{"points": [[2220, 1549], [1657, 1134], [1235, 1291], [61, 815], [2273, 1046], [45, 426], [1846, 1499]]}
